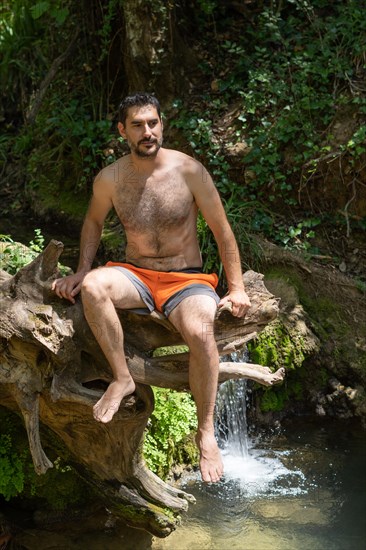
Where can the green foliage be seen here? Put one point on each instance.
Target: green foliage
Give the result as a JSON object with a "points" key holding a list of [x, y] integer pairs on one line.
{"points": [[54, 9], [68, 132], [240, 215], [288, 74], [277, 86], [198, 128], [11, 468], [173, 419], [207, 6], [292, 236], [58, 489], [14, 256], [17, 474], [69, 141], [27, 37], [298, 60]]}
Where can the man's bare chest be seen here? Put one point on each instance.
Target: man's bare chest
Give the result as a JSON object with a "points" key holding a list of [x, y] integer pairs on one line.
{"points": [[156, 205]]}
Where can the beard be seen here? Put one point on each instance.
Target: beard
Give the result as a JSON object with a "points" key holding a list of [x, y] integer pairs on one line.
{"points": [[139, 151]]}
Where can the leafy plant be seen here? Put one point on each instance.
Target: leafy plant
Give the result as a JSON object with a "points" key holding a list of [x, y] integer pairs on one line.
{"points": [[70, 133], [173, 419], [59, 489], [11, 468], [14, 256]]}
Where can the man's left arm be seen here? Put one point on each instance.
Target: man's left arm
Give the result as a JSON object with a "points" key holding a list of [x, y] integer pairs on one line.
{"points": [[208, 201], [230, 257]]}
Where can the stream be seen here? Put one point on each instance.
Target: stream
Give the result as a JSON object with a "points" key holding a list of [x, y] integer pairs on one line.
{"points": [[300, 486]]}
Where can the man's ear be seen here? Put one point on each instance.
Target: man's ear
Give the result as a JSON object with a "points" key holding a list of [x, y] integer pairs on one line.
{"points": [[121, 129]]}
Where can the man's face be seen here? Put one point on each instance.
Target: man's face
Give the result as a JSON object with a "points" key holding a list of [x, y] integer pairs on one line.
{"points": [[143, 131]]}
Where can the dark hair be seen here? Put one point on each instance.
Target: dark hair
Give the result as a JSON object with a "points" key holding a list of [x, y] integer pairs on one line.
{"points": [[140, 99]]}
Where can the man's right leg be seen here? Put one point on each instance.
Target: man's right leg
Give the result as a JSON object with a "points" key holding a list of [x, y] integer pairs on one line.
{"points": [[103, 290]]}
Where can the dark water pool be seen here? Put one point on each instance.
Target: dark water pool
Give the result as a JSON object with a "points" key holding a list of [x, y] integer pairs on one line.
{"points": [[302, 487]]}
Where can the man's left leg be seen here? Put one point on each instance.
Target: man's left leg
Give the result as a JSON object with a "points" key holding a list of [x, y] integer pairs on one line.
{"points": [[194, 318]]}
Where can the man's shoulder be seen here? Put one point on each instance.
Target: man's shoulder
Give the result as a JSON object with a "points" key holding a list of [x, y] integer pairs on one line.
{"points": [[113, 172], [183, 160]]}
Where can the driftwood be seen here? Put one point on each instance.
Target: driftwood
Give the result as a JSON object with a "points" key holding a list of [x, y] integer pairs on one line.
{"points": [[52, 369]]}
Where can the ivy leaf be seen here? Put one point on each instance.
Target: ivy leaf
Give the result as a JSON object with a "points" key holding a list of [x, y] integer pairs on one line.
{"points": [[39, 9], [60, 15]]}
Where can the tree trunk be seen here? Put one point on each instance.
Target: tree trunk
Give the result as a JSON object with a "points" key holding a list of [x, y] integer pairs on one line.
{"points": [[153, 49], [51, 368]]}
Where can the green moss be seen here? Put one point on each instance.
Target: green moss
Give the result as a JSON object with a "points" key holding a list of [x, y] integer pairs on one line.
{"points": [[334, 318], [280, 345], [49, 200], [295, 388], [186, 452], [276, 346], [168, 350], [273, 401], [58, 489], [325, 312], [164, 517]]}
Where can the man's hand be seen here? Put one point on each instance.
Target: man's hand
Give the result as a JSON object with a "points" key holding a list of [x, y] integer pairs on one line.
{"points": [[69, 286], [239, 300]]}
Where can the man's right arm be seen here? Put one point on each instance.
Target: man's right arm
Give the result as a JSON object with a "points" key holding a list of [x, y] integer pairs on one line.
{"points": [[100, 204]]}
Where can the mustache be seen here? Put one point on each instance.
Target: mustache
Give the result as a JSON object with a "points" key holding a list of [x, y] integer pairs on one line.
{"points": [[151, 140]]}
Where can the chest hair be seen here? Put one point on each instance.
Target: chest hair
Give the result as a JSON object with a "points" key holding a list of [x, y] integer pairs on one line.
{"points": [[157, 205]]}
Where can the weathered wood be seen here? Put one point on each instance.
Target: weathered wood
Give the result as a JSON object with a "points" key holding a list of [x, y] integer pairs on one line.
{"points": [[52, 369]]}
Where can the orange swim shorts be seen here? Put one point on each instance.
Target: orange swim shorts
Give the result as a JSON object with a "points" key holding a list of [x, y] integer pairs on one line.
{"points": [[164, 290]]}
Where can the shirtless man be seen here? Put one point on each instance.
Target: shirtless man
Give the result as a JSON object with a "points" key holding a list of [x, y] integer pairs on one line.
{"points": [[157, 193]]}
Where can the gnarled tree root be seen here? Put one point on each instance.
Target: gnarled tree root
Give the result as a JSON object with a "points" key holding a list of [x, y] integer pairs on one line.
{"points": [[52, 369]]}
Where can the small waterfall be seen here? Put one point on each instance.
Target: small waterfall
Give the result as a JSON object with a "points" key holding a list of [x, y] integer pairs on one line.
{"points": [[257, 470], [231, 418]]}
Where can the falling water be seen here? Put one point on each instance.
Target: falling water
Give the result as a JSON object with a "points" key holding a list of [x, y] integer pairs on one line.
{"points": [[231, 416], [257, 470], [231, 424]]}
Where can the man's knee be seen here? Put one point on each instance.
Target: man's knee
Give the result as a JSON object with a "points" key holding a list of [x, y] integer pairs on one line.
{"points": [[194, 318], [201, 333], [92, 286]]}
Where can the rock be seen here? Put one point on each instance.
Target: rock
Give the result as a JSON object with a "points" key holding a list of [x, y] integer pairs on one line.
{"points": [[342, 267], [240, 149], [320, 410]]}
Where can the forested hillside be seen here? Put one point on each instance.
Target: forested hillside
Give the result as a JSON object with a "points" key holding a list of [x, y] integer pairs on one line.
{"points": [[271, 96]]}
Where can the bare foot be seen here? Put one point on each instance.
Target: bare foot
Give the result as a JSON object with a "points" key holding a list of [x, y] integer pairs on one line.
{"points": [[211, 465], [108, 404]]}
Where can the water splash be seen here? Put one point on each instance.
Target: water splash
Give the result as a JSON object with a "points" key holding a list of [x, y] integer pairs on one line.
{"points": [[256, 470], [231, 423]]}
